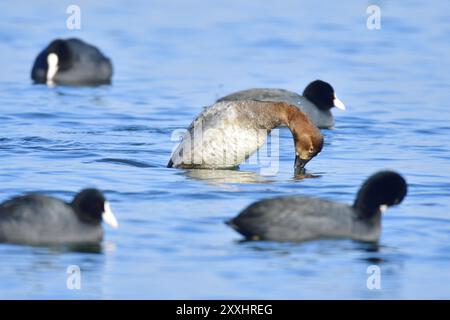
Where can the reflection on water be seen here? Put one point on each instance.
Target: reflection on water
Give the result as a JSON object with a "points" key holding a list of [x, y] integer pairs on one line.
{"points": [[306, 175], [226, 176], [95, 248], [84, 248], [235, 176]]}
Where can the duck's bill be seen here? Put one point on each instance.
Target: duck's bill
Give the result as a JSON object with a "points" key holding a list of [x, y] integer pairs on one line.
{"points": [[338, 103], [299, 165], [108, 217]]}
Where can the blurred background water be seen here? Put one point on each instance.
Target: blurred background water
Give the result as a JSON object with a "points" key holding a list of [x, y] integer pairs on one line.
{"points": [[171, 58]]}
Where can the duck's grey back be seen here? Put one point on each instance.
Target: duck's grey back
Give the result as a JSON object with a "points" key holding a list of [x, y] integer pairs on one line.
{"points": [[295, 219], [38, 219], [321, 118]]}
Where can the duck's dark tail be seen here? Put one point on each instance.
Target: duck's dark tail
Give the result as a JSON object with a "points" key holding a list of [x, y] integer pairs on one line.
{"points": [[246, 233], [170, 164], [231, 223]]}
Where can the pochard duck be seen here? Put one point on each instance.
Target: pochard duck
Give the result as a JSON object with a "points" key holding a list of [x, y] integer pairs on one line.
{"points": [[225, 134]]}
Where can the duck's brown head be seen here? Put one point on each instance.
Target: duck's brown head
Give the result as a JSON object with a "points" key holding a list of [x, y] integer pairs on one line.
{"points": [[307, 137], [307, 146]]}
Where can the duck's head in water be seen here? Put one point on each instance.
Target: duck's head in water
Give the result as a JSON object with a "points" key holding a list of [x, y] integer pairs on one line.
{"points": [[91, 207], [306, 148], [322, 94], [307, 138], [381, 190]]}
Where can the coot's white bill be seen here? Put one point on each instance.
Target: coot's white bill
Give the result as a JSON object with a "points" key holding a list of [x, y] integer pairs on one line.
{"points": [[52, 61], [108, 217], [338, 103]]}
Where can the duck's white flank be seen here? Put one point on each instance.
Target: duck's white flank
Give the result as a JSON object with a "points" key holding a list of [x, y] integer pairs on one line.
{"points": [[222, 136]]}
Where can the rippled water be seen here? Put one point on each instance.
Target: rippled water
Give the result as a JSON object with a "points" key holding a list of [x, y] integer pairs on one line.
{"points": [[171, 58]]}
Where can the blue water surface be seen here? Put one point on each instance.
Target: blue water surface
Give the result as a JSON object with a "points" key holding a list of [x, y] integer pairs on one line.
{"points": [[171, 58]]}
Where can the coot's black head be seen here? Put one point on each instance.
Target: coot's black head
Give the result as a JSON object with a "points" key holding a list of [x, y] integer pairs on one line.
{"points": [[91, 207], [381, 190], [322, 94], [55, 58]]}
